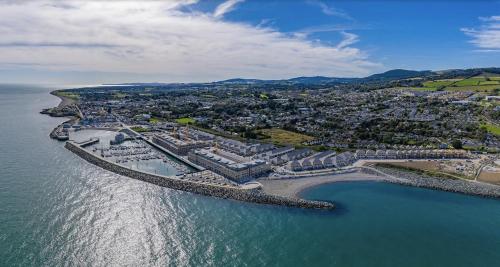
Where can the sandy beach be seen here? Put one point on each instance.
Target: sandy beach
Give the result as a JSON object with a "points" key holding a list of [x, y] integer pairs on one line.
{"points": [[292, 187]]}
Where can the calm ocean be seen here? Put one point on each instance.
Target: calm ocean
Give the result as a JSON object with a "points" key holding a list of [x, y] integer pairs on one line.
{"points": [[58, 210]]}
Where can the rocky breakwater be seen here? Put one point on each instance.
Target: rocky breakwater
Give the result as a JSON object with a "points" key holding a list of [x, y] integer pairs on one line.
{"points": [[445, 184], [227, 192]]}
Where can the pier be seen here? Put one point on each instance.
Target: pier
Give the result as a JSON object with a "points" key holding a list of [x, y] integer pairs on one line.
{"points": [[89, 142]]}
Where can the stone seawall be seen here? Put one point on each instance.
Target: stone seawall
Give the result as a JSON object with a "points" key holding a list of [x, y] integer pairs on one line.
{"points": [[254, 195], [444, 184]]}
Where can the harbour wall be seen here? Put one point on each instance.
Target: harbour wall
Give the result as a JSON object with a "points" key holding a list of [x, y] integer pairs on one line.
{"points": [[247, 195], [445, 184]]}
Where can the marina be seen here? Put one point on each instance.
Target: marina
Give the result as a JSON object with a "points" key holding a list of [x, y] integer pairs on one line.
{"points": [[133, 153], [137, 154]]}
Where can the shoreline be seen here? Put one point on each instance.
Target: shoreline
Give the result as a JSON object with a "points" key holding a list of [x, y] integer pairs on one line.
{"points": [[65, 101], [472, 188], [294, 187]]}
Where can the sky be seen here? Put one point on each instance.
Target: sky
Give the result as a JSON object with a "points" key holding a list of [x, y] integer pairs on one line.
{"points": [[93, 42]]}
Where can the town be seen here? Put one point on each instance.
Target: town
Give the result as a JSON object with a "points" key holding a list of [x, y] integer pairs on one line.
{"points": [[241, 131]]}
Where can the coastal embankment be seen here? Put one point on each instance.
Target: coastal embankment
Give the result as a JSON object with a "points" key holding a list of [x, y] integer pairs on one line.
{"points": [[446, 184], [294, 186], [247, 195]]}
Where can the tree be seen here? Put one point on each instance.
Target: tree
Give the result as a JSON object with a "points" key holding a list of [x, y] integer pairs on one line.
{"points": [[457, 144]]}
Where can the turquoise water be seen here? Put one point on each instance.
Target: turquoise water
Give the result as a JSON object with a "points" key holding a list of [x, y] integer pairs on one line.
{"points": [[57, 209]]}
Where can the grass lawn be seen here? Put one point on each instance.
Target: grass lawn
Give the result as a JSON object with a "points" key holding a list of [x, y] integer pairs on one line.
{"points": [[139, 129], [477, 84], [155, 120], [185, 120], [284, 137], [491, 128], [119, 95], [68, 95], [438, 83], [489, 83], [469, 82]]}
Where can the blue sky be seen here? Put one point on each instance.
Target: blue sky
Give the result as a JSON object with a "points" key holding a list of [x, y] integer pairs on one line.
{"points": [[399, 34], [189, 40]]}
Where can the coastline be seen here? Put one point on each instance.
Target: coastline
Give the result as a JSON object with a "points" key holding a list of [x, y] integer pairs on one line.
{"points": [[65, 101], [293, 187], [473, 188]]}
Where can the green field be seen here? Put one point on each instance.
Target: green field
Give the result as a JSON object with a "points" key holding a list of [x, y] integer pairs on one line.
{"points": [[68, 95], [483, 83], [491, 128], [140, 129], [438, 83], [284, 137], [489, 83], [119, 95], [469, 82], [155, 120], [185, 120]]}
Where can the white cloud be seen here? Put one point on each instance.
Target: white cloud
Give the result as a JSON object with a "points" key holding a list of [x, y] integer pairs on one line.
{"points": [[226, 7], [158, 37], [487, 37], [349, 39], [331, 11]]}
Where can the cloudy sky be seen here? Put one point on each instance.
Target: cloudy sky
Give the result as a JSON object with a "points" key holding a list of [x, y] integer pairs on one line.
{"points": [[189, 40]]}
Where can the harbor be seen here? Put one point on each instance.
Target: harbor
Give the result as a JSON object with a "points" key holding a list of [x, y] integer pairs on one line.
{"points": [[139, 155], [207, 187]]}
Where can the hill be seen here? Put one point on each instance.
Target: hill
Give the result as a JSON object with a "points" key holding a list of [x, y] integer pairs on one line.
{"points": [[397, 74]]}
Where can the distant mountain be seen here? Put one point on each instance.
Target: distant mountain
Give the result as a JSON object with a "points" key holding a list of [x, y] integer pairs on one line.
{"points": [[397, 74], [136, 84], [244, 81], [319, 81], [297, 80]]}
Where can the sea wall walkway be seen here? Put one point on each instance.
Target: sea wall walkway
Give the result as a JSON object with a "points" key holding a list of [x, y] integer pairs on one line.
{"points": [[247, 195]]}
